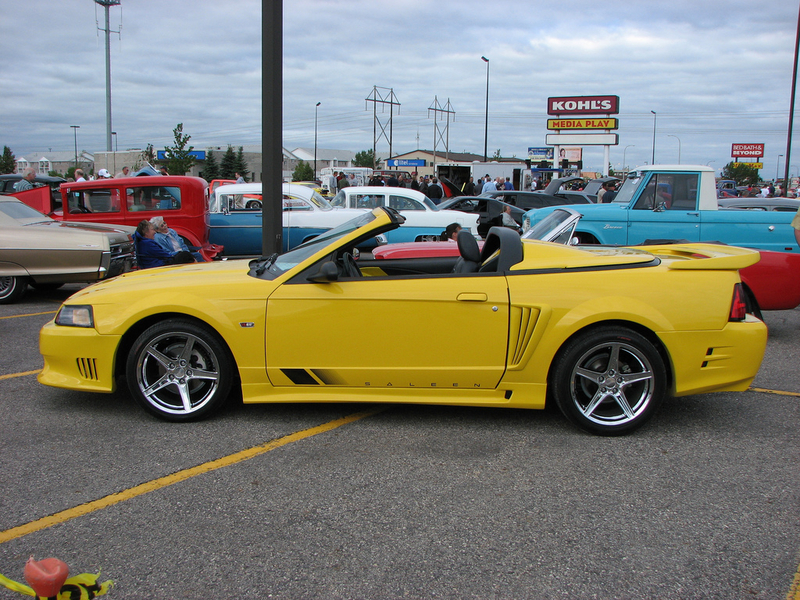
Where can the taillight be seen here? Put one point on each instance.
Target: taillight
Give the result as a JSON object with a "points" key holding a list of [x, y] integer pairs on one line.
{"points": [[739, 304]]}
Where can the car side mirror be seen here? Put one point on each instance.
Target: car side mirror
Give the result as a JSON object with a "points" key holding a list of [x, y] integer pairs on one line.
{"points": [[326, 274], [660, 207]]}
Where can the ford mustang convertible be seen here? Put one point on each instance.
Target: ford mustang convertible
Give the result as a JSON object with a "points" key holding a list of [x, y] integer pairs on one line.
{"points": [[605, 333]]}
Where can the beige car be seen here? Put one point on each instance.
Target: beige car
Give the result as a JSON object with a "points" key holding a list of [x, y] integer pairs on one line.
{"points": [[43, 252]]}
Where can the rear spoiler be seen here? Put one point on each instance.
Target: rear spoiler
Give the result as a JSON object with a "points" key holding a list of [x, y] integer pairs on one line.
{"points": [[704, 256]]}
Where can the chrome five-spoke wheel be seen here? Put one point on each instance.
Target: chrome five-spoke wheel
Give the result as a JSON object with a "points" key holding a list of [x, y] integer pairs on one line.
{"points": [[609, 381], [178, 370]]}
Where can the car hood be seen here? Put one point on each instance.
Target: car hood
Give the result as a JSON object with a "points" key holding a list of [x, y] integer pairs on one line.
{"points": [[116, 233]]}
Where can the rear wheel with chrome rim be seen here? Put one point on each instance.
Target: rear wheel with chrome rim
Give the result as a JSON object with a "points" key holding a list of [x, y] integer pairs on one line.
{"points": [[609, 381]]}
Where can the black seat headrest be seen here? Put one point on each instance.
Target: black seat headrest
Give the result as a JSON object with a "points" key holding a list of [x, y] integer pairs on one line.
{"points": [[468, 246]]}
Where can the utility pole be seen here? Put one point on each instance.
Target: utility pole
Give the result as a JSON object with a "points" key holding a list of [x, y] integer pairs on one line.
{"points": [[438, 136], [106, 4], [381, 96]]}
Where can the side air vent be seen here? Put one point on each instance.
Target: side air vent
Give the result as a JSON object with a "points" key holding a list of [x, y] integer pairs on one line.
{"points": [[523, 322], [87, 367]]}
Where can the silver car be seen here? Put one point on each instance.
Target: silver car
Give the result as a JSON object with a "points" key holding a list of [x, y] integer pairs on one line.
{"points": [[43, 252]]}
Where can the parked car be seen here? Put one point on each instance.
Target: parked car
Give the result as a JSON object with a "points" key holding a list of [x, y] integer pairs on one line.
{"points": [[675, 202], [606, 334], [424, 220], [53, 183], [215, 183], [182, 201], [759, 203], [236, 217], [43, 252], [533, 200], [489, 211]]}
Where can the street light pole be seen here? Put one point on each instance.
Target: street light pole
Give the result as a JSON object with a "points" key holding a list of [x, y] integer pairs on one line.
{"points": [[679, 146], [316, 108], [116, 147], [624, 164], [75, 129], [653, 160], [486, 124]]}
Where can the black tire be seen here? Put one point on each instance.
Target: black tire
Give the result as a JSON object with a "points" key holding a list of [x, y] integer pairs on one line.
{"points": [[609, 381], [12, 289], [253, 204], [178, 370], [46, 287]]}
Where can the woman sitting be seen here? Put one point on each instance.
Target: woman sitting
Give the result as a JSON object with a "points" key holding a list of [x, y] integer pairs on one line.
{"points": [[150, 254], [169, 239]]}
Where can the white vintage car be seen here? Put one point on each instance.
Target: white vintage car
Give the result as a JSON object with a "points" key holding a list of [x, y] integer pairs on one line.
{"points": [[424, 220], [235, 217]]}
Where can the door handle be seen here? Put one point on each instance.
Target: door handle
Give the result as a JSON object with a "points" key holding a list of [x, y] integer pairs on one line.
{"points": [[472, 297]]}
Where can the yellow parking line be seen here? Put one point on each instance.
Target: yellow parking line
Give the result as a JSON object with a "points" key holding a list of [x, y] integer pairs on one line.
{"points": [[162, 482], [49, 312], [12, 375], [794, 591], [779, 392]]}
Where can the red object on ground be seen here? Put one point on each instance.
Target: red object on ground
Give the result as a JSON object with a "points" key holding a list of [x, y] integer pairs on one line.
{"points": [[46, 576]]}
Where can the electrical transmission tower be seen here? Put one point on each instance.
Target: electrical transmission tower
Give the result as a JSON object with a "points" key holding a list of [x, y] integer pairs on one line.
{"points": [[438, 135], [382, 96]]}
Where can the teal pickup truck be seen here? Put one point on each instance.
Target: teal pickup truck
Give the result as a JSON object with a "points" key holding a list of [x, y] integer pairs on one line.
{"points": [[670, 202]]}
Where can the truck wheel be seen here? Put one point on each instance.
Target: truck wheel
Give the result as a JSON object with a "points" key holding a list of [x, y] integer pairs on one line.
{"points": [[12, 289]]}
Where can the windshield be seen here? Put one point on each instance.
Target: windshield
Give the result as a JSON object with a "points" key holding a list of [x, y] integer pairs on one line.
{"points": [[294, 257], [339, 200], [628, 188], [320, 202], [556, 227]]}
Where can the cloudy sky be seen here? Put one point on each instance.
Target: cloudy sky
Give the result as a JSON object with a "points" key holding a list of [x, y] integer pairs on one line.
{"points": [[715, 72]]}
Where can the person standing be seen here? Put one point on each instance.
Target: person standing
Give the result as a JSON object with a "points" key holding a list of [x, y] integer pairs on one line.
{"points": [[239, 178], [434, 191], [469, 187], [123, 173], [79, 175], [489, 185], [392, 181], [342, 183], [508, 185], [26, 183]]}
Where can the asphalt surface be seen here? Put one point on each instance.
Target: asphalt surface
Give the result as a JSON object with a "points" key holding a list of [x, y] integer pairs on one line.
{"points": [[409, 502]]}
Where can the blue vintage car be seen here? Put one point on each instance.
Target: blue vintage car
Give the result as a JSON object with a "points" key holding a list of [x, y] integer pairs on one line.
{"points": [[235, 217], [675, 202]]}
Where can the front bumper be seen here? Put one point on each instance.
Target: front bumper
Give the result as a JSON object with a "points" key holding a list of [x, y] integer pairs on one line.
{"points": [[77, 358]]}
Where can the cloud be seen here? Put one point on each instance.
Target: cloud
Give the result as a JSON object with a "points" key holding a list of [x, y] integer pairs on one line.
{"points": [[715, 72]]}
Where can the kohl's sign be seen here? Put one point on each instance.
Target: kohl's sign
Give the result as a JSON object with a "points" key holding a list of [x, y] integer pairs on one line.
{"points": [[583, 105], [753, 150]]}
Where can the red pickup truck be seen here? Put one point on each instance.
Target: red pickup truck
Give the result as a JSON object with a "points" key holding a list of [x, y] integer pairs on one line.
{"points": [[182, 201]]}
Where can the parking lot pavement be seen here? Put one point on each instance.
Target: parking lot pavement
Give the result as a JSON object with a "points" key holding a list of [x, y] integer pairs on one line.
{"points": [[412, 501]]}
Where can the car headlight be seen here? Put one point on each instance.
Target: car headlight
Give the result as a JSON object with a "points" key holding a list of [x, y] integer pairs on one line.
{"points": [[75, 316]]}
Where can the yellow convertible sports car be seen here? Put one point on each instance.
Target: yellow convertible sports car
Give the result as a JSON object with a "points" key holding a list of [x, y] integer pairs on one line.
{"points": [[606, 333]]}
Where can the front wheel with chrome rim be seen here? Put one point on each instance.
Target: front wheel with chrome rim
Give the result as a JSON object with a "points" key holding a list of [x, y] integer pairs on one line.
{"points": [[609, 381], [179, 370]]}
